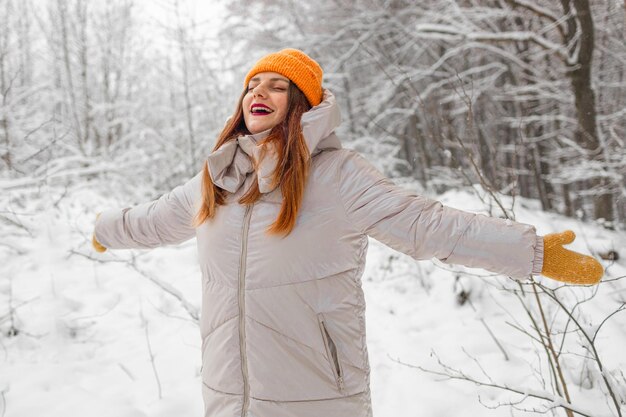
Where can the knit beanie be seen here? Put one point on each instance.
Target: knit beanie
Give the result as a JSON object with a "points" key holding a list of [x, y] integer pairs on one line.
{"points": [[303, 71]]}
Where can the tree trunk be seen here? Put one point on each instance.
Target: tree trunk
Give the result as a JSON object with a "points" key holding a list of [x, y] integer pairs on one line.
{"points": [[4, 84], [24, 42], [586, 115], [81, 17], [487, 157], [544, 174], [347, 94], [415, 150], [183, 45], [65, 44]]}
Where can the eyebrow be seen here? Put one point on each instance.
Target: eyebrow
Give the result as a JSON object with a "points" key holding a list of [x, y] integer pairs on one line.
{"points": [[271, 79]]}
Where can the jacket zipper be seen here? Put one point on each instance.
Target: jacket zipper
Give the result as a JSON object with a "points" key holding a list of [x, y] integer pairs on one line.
{"points": [[331, 352], [242, 309]]}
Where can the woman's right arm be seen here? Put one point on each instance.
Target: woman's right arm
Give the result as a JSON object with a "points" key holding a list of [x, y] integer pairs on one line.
{"points": [[167, 220]]}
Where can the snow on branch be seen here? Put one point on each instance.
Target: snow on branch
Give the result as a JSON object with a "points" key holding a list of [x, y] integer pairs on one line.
{"points": [[537, 9], [495, 69], [451, 32], [453, 52]]}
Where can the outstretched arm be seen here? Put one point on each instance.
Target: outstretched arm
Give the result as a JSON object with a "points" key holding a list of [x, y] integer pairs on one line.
{"points": [[167, 220], [424, 228]]}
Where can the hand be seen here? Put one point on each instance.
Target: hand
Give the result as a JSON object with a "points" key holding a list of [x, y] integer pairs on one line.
{"points": [[567, 266], [94, 242]]}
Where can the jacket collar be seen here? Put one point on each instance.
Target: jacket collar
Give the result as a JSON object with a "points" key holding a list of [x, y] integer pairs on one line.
{"points": [[233, 161]]}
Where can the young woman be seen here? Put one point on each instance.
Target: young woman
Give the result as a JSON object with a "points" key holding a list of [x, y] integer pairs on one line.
{"points": [[282, 216]]}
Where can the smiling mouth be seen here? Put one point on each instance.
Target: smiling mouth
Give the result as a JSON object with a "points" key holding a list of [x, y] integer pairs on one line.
{"points": [[260, 110]]}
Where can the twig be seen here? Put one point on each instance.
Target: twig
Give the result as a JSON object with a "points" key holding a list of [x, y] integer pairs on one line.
{"points": [[484, 182], [126, 371], [535, 326], [144, 322], [4, 402], [551, 349], [527, 333], [495, 339], [451, 373], [190, 308], [619, 309], [592, 346], [478, 365], [482, 320]]}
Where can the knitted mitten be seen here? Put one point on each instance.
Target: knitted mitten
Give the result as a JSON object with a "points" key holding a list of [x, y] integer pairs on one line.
{"points": [[94, 242], [568, 266], [97, 245]]}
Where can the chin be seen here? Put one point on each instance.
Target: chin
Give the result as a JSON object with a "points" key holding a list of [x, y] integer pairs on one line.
{"points": [[255, 130], [258, 128]]}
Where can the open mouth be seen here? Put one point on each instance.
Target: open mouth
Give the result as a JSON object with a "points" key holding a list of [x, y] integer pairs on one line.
{"points": [[260, 110]]}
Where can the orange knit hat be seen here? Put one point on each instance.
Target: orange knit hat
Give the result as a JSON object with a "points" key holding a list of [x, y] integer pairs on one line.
{"points": [[298, 67]]}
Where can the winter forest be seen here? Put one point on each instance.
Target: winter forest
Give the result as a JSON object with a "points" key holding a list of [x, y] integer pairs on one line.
{"points": [[511, 108]]}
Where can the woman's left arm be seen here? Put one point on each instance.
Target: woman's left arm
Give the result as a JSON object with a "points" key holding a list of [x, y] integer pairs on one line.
{"points": [[424, 228]]}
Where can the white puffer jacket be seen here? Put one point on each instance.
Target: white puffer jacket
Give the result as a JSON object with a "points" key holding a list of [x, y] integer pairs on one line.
{"points": [[283, 323]]}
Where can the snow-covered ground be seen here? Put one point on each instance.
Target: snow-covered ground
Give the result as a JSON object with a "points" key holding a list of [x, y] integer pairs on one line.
{"points": [[97, 337]]}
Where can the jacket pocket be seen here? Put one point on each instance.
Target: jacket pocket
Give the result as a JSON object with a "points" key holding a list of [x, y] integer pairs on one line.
{"points": [[331, 352]]}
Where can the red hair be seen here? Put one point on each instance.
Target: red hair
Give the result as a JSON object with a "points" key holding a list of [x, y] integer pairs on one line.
{"points": [[291, 171]]}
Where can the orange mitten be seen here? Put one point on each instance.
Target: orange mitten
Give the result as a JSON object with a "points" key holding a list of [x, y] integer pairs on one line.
{"points": [[94, 242], [568, 266], [97, 245]]}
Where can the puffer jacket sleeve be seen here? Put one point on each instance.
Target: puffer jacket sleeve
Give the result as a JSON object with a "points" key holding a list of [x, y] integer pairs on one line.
{"points": [[167, 220], [424, 228]]}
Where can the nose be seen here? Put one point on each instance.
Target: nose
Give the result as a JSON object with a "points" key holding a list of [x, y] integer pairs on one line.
{"points": [[259, 90]]}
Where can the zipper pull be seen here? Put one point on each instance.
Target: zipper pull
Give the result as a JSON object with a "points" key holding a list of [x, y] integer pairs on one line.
{"points": [[340, 380]]}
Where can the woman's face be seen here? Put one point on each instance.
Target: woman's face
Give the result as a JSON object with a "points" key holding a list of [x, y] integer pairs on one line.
{"points": [[265, 103]]}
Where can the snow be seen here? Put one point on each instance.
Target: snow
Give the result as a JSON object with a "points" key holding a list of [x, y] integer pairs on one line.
{"points": [[86, 323]]}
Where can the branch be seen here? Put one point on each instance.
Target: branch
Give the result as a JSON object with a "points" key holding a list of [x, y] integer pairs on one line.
{"points": [[592, 346], [540, 11], [554, 401], [551, 349], [144, 322], [517, 36], [4, 402], [190, 308]]}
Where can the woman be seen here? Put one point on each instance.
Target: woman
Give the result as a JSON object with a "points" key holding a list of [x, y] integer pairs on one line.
{"points": [[282, 216]]}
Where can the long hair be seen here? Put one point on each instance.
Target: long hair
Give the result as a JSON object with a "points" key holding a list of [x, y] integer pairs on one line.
{"points": [[291, 171]]}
